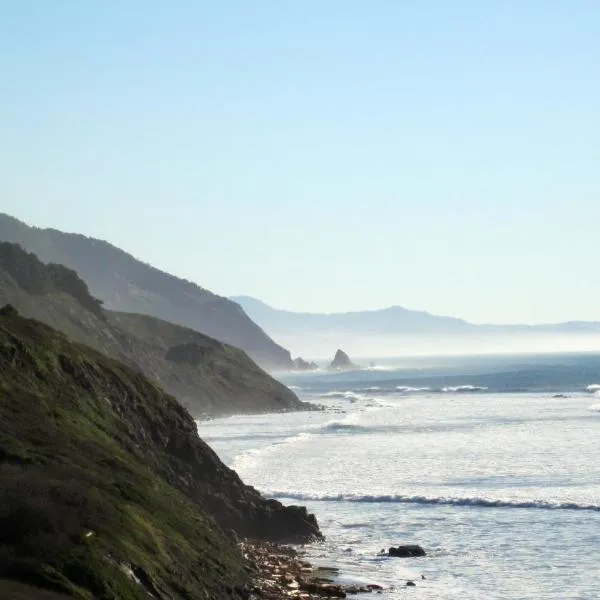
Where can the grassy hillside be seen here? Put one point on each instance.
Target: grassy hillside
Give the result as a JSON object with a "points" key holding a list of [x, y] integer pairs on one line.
{"points": [[126, 284], [207, 376], [106, 490]]}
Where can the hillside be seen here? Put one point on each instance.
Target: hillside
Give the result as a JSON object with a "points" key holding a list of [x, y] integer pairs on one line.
{"points": [[207, 376], [126, 284], [106, 490]]}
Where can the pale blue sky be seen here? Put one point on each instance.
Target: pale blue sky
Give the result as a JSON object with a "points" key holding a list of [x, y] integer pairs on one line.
{"points": [[320, 155]]}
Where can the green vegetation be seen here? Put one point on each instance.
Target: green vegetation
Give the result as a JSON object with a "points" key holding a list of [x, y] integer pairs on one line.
{"points": [[106, 490], [87, 505]]}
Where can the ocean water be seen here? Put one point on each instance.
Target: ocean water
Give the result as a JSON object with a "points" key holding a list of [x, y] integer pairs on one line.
{"points": [[490, 463]]}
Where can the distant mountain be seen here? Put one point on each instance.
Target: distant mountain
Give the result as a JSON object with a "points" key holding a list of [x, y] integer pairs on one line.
{"points": [[207, 376], [386, 320], [392, 320], [126, 284]]}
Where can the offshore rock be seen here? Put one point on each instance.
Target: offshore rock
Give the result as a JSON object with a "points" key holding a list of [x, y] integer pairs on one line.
{"points": [[406, 550], [302, 365], [341, 362]]}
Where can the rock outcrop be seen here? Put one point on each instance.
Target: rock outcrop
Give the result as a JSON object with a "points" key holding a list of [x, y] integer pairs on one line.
{"points": [[106, 490], [302, 365], [406, 550], [281, 574], [341, 362]]}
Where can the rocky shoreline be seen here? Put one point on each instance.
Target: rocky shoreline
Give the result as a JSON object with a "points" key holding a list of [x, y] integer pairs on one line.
{"points": [[278, 573]]}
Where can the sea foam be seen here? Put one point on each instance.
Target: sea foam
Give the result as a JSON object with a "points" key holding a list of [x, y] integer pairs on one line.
{"points": [[442, 500], [464, 388]]}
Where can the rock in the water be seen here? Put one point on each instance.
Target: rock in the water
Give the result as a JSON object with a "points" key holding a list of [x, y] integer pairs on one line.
{"points": [[303, 365], [341, 361], [406, 550]]}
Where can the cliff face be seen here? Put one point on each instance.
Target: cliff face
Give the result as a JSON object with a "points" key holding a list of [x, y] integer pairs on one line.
{"points": [[207, 376], [106, 488], [129, 285]]}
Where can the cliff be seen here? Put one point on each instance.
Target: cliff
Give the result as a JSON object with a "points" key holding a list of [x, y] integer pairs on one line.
{"points": [[126, 284], [207, 376], [106, 490]]}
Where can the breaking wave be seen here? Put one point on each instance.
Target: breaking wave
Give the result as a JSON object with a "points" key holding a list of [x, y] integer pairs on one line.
{"points": [[349, 395], [341, 427], [464, 388], [594, 408], [449, 501], [595, 387], [403, 389]]}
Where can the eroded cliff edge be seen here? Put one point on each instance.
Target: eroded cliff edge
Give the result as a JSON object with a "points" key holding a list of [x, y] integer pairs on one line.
{"points": [[106, 488]]}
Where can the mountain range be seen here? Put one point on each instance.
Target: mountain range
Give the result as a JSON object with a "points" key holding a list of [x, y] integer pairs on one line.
{"points": [[394, 319], [128, 285], [397, 331]]}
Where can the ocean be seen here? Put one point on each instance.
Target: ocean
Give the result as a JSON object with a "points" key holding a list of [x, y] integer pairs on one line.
{"points": [[490, 463]]}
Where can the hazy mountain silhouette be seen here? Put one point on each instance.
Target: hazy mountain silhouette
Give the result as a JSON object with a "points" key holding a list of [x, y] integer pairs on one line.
{"points": [[392, 320], [126, 284]]}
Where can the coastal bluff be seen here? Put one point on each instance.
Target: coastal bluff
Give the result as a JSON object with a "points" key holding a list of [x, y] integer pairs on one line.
{"points": [[106, 489], [207, 376]]}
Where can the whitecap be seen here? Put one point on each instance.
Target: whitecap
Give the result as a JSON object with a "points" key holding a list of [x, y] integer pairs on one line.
{"points": [[341, 427], [348, 395], [464, 388], [441, 500]]}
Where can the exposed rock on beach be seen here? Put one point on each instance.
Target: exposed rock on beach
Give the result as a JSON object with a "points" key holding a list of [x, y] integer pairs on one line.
{"points": [[279, 573]]}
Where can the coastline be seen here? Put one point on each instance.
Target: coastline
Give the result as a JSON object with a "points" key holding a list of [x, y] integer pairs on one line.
{"points": [[279, 572]]}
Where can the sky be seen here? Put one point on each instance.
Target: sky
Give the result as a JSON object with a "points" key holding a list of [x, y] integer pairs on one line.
{"points": [[321, 156]]}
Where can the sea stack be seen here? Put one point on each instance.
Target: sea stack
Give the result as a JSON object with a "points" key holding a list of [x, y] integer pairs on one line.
{"points": [[341, 362], [303, 365]]}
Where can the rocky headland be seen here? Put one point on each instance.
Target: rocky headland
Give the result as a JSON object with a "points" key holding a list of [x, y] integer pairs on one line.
{"points": [[207, 376], [106, 489]]}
